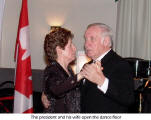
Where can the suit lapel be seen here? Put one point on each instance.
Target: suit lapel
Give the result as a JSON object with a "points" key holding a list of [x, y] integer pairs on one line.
{"points": [[107, 58], [104, 61]]}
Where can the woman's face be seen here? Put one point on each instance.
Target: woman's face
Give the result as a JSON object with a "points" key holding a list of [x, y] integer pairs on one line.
{"points": [[69, 52]]}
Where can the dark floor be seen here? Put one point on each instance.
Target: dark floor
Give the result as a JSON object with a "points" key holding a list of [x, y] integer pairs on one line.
{"points": [[6, 106]]}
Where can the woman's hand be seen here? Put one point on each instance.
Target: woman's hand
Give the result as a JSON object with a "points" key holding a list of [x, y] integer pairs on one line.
{"points": [[45, 101], [79, 76]]}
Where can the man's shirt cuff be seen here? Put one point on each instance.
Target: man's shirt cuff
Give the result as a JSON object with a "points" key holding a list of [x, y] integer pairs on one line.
{"points": [[104, 87]]}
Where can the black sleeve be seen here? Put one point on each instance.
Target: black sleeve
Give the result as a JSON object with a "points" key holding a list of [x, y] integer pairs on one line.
{"points": [[57, 85], [120, 87]]}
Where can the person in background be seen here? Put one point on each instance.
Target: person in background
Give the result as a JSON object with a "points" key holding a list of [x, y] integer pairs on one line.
{"points": [[108, 83], [60, 84]]}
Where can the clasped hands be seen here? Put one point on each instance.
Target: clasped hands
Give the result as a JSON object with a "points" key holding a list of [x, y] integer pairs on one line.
{"points": [[93, 72]]}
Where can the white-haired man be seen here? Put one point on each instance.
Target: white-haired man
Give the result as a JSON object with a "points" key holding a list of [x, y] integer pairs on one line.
{"points": [[108, 87]]}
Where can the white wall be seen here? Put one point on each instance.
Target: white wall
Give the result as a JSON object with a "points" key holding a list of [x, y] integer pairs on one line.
{"points": [[72, 14], [2, 4]]}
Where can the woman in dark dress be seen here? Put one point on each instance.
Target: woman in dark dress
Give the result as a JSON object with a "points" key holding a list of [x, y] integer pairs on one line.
{"points": [[60, 84]]}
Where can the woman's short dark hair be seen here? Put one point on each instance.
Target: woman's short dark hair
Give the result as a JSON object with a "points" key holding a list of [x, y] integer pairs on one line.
{"points": [[58, 37]]}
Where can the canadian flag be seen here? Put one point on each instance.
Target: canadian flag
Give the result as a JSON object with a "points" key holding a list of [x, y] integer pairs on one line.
{"points": [[23, 99]]}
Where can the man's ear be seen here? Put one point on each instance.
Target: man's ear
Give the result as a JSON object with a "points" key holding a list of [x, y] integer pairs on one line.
{"points": [[106, 41]]}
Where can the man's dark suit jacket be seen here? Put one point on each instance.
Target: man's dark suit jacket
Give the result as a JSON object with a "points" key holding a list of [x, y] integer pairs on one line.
{"points": [[119, 95]]}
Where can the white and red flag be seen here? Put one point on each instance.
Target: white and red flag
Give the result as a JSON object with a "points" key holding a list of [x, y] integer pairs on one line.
{"points": [[23, 99]]}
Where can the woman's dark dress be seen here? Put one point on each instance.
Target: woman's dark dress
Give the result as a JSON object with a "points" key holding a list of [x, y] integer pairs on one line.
{"points": [[61, 89]]}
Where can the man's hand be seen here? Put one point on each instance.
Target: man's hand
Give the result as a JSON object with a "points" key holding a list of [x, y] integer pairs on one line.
{"points": [[45, 101], [93, 72]]}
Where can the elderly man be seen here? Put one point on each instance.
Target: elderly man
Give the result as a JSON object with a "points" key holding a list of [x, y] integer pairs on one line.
{"points": [[108, 87]]}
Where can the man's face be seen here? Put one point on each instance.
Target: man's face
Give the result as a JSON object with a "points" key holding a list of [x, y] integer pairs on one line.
{"points": [[93, 42]]}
